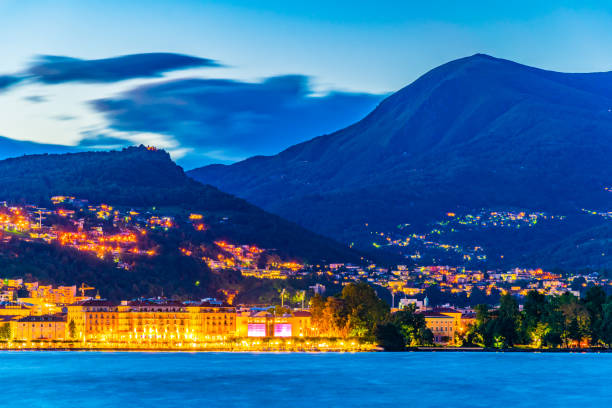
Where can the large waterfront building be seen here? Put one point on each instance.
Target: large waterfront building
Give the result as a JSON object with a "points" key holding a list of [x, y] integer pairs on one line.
{"points": [[150, 320], [45, 327], [166, 321]]}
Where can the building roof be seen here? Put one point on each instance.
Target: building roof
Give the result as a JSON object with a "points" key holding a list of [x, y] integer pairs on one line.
{"points": [[95, 302], [224, 305], [155, 303], [12, 305], [445, 310], [435, 315], [44, 318], [262, 313]]}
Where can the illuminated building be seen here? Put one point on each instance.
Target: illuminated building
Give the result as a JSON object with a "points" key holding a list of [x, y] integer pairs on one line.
{"points": [[148, 320], [442, 326], [45, 327], [445, 322], [14, 309], [265, 324]]}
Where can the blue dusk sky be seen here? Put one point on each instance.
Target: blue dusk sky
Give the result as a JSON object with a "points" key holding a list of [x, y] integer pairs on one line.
{"points": [[219, 81]]}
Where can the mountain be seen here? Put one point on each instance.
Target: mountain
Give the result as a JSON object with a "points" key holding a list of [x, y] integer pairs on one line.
{"points": [[141, 177], [475, 133], [146, 179]]}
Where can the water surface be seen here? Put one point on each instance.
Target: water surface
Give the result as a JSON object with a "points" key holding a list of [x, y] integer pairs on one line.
{"points": [[97, 379]]}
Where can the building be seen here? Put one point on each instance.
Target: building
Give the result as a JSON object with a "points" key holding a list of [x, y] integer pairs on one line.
{"points": [[262, 323], [45, 327], [445, 323], [14, 309], [151, 321], [441, 325]]}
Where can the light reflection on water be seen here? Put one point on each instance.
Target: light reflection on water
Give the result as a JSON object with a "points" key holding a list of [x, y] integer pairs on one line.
{"points": [[95, 379]]}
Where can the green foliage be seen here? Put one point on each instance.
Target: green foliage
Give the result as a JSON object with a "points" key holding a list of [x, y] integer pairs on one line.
{"points": [[5, 331], [554, 321], [412, 327], [72, 329], [605, 333], [356, 312], [389, 337], [508, 321], [364, 309]]}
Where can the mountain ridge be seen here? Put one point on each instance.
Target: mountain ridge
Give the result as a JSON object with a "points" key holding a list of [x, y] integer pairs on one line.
{"points": [[475, 132], [147, 177], [147, 183]]}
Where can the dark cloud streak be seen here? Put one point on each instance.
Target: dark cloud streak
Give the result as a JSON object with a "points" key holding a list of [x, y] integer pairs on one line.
{"points": [[36, 98], [6, 81], [52, 69], [102, 141], [233, 118]]}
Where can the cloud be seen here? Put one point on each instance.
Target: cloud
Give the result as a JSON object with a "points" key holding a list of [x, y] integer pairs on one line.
{"points": [[14, 148], [64, 118], [102, 141], [36, 98], [52, 69], [221, 118], [6, 81]]}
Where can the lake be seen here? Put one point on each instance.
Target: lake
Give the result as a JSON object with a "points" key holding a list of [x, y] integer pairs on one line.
{"points": [[264, 380]]}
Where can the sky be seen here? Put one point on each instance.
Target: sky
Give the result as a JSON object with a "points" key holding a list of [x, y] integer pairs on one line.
{"points": [[220, 81]]}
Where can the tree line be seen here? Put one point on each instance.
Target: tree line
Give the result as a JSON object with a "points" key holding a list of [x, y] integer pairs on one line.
{"points": [[564, 321], [358, 312], [545, 321]]}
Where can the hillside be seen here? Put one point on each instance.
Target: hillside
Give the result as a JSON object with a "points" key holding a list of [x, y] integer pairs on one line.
{"points": [[148, 182], [139, 177], [475, 133]]}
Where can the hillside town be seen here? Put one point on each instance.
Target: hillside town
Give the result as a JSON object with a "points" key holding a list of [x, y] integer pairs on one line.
{"points": [[436, 239], [38, 315], [100, 230], [405, 281], [117, 233]]}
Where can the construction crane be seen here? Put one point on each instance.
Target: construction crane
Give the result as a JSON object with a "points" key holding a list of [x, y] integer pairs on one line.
{"points": [[83, 288]]}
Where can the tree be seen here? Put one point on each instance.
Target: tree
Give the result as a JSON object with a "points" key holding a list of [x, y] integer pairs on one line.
{"points": [[412, 326], [576, 322], [72, 329], [508, 321], [606, 324], [317, 306], [482, 331], [279, 310], [284, 295], [334, 319], [389, 337], [5, 331], [536, 310], [539, 333], [594, 300], [355, 312], [299, 297], [364, 309]]}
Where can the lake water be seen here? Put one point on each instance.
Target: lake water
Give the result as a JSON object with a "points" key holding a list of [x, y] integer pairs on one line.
{"points": [[457, 379]]}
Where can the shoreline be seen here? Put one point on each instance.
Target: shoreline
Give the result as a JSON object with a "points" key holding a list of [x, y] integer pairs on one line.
{"points": [[304, 350], [254, 347]]}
